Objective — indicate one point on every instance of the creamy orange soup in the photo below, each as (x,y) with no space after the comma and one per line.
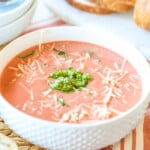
(112,88)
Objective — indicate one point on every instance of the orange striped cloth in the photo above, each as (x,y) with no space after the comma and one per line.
(139,138)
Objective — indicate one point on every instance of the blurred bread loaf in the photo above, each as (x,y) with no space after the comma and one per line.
(142,13)
(89,6)
(9,140)
(6,143)
(118,5)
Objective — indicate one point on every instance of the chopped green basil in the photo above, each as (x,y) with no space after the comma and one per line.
(59,52)
(27,55)
(61,101)
(69,80)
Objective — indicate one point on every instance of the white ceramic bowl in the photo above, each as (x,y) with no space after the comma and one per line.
(16,27)
(15,10)
(56,136)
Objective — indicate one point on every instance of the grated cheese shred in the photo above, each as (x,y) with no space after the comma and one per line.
(110,77)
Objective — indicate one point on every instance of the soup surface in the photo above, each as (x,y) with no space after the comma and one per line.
(71,81)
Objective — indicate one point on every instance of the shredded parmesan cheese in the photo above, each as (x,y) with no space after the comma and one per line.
(105,95)
(101,112)
(40,41)
(39,67)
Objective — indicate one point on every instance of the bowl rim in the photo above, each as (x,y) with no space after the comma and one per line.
(32,6)
(25,5)
(78,125)
(21,22)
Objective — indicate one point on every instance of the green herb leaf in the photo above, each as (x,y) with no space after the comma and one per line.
(59,52)
(61,101)
(27,55)
(69,80)
(59,73)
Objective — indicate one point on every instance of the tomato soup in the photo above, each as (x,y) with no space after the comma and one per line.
(71,81)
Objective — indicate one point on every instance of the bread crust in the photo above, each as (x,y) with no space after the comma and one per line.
(89,6)
(142,14)
(7,143)
(118,5)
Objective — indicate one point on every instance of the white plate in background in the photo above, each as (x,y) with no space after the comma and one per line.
(121,24)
